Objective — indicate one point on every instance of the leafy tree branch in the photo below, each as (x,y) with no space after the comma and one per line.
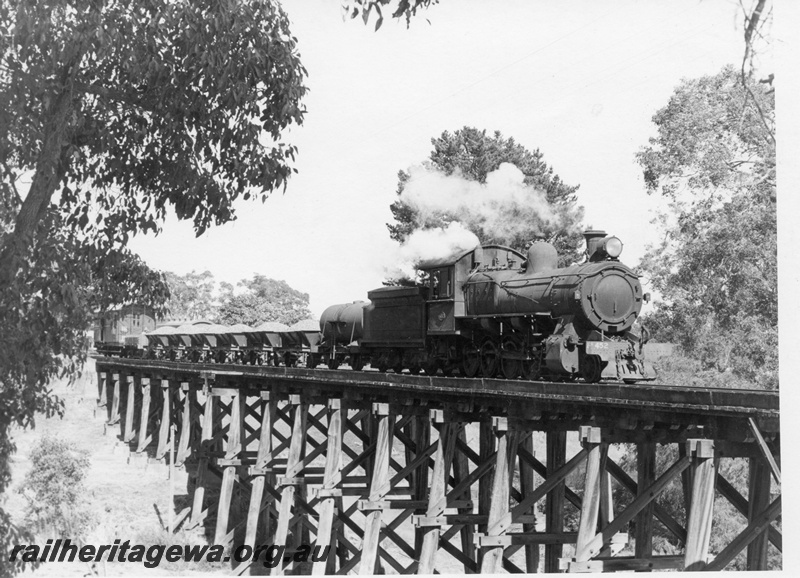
(121,112)
(716,267)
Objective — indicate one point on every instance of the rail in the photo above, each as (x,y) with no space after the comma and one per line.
(608,403)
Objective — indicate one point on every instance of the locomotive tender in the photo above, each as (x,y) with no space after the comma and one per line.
(488,311)
(493,311)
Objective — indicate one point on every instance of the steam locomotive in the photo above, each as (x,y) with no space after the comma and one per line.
(489,311)
(493,311)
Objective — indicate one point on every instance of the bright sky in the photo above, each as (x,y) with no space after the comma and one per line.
(577,79)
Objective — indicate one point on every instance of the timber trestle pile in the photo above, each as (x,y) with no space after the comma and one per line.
(411,474)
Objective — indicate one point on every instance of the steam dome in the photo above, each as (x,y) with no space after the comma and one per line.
(541,257)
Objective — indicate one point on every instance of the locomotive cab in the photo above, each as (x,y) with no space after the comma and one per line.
(444,280)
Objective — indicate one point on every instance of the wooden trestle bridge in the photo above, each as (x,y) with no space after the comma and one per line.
(413,474)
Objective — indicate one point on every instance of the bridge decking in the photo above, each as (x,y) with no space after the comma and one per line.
(609,403)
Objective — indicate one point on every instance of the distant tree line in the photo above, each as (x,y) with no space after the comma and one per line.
(198,296)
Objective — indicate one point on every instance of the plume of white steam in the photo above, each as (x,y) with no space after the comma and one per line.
(503,208)
(449,207)
(426,244)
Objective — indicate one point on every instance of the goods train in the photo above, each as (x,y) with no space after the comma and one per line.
(488,311)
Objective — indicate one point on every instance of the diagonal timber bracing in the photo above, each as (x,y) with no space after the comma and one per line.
(409,474)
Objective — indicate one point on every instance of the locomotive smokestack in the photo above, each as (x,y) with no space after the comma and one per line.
(593,238)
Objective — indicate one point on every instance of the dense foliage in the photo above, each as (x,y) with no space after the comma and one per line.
(113,113)
(191,296)
(126,108)
(264,299)
(716,268)
(198,296)
(471,154)
(54,490)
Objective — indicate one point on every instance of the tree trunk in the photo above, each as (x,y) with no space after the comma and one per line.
(50,168)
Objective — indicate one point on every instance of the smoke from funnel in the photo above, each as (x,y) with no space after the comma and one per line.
(434,243)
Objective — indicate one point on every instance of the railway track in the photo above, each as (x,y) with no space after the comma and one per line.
(620,405)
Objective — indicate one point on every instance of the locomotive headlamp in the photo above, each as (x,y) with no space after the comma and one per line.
(612,247)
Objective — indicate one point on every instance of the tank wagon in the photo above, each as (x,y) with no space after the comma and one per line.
(341,329)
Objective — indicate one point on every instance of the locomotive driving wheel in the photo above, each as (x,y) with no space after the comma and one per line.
(431,366)
(471,360)
(591,368)
(381,363)
(532,368)
(490,358)
(509,364)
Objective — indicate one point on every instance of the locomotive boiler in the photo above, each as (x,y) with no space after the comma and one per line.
(493,311)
